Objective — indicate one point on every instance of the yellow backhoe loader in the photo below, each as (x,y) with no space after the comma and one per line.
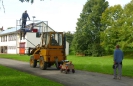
(50,51)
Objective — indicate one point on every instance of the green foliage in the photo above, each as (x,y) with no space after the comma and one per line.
(69,37)
(111,25)
(117,26)
(97,50)
(88,28)
(99,30)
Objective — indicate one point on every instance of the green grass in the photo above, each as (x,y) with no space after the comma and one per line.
(101,64)
(92,64)
(16,57)
(10,77)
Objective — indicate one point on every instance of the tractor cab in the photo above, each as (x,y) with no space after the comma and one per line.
(52,39)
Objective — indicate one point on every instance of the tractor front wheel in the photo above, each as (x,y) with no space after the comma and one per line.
(42,63)
(33,62)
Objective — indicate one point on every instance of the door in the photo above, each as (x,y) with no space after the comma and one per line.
(22,48)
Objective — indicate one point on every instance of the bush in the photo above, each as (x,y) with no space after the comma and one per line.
(97,50)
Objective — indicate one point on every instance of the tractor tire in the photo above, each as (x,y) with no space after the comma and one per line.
(68,70)
(33,62)
(73,71)
(43,64)
(49,65)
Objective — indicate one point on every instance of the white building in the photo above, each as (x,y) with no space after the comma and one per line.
(11,43)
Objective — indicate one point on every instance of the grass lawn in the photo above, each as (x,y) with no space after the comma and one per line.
(16,57)
(11,77)
(93,64)
(101,64)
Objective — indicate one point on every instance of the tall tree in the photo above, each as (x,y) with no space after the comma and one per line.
(127,26)
(87,36)
(111,26)
(119,27)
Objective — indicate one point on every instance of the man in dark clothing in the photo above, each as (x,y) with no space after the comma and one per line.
(118,57)
(53,41)
(24,19)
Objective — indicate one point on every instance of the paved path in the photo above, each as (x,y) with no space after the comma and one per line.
(80,78)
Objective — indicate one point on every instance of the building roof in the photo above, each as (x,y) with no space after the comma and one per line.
(11,30)
(14,29)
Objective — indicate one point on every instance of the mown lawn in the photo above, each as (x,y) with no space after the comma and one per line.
(11,77)
(92,64)
(101,64)
(16,57)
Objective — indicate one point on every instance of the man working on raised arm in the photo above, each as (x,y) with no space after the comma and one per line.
(24,18)
(28,29)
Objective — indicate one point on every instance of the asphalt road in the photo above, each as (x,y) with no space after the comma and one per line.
(79,78)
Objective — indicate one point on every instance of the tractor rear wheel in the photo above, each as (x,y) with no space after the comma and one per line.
(42,63)
(73,71)
(33,62)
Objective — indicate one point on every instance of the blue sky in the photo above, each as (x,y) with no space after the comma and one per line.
(61,14)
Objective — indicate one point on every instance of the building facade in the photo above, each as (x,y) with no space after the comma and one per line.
(11,42)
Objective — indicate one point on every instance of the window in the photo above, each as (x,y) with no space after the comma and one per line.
(56,39)
(8,47)
(3,38)
(11,37)
(8,37)
(15,37)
